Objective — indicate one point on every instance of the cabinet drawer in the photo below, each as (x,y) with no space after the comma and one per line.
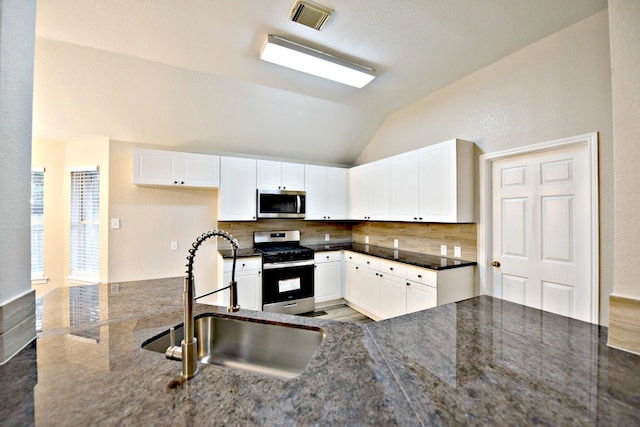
(394,268)
(422,275)
(244,264)
(321,257)
(363,260)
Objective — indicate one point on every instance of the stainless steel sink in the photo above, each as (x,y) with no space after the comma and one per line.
(272,349)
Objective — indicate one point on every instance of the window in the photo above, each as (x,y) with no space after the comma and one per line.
(37,225)
(85,224)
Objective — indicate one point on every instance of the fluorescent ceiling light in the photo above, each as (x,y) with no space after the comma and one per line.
(302,58)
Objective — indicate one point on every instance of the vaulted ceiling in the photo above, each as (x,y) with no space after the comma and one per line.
(188,74)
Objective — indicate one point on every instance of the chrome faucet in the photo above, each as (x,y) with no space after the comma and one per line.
(189,346)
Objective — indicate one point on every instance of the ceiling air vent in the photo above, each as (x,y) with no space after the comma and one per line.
(310,14)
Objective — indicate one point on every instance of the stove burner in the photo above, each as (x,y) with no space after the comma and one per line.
(282,246)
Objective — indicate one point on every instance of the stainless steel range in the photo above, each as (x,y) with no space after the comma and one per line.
(287,280)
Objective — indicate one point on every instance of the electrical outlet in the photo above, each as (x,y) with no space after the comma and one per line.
(327,237)
(115,223)
(366,240)
(174,246)
(457,252)
(395,243)
(443,249)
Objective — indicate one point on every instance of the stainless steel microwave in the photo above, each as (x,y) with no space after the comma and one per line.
(281,204)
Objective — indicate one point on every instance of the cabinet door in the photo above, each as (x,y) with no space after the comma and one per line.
(249,287)
(438,184)
(316,188)
(378,190)
(237,189)
(268,175)
(393,296)
(358,192)
(368,290)
(327,281)
(404,192)
(199,170)
(351,276)
(420,297)
(336,194)
(451,164)
(292,176)
(155,167)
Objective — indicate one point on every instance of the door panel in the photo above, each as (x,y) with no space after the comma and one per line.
(541,226)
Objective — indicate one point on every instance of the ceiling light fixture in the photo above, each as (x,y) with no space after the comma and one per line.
(312,61)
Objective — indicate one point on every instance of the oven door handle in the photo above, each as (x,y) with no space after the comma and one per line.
(287,264)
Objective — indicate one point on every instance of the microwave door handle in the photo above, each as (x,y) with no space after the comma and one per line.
(299,204)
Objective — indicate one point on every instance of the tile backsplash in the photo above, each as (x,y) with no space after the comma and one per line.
(424,238)
(310,231)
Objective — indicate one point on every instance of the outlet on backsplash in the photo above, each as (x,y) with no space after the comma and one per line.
(443,250)
(395,243)
(457,252)
(366,240)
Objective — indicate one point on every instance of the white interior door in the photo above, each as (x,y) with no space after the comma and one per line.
(541,205)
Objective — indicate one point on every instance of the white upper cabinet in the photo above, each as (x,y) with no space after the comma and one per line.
(159,167)
(447,173)
(369,191)
(433,184)
(326,189)
(237,189)
(404,189)
(274,175)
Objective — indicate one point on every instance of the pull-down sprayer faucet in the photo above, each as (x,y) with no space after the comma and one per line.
(189,345)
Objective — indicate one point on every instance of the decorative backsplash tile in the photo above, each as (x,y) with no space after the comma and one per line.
(310,231)
(423,238)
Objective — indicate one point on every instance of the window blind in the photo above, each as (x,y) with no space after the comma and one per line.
(37,224)
(85,223)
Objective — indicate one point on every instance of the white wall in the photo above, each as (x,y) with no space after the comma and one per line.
(625,59)
(557,87)
(17,38)
(151,218)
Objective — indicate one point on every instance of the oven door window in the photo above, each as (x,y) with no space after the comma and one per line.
(285,284)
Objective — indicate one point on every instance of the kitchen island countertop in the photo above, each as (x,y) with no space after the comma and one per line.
(481,361)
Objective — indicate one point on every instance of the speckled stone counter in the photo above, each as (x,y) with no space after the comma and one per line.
(414,258)
(478,362)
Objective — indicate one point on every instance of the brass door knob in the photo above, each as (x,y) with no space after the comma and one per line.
(496,263)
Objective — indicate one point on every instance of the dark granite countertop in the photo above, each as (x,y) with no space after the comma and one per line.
(481,361)
(242,252)
(414,258)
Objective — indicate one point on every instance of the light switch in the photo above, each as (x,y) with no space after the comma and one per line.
(115,223)
(174,246)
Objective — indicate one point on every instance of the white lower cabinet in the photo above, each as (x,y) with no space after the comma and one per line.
(249,283)
(382,289)
(393,299)
(420,297)
(328,276)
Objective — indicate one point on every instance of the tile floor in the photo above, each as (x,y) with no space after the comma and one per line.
(342,313)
